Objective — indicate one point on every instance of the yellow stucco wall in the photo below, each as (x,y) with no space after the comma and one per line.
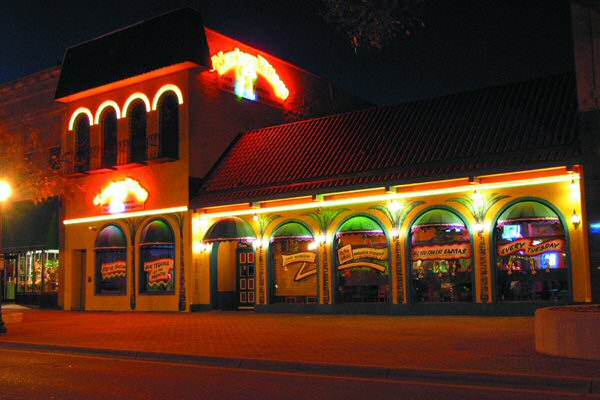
(558,195)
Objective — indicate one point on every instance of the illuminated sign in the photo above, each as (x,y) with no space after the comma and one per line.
(529,248)
(442,252)
(247,68)
(121,196)
(159,271)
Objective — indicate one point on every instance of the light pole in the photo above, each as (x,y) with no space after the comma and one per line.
(5,192)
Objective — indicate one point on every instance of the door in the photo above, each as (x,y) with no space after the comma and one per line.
(78,280)
(246,277)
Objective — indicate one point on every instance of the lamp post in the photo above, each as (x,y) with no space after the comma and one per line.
(5,192)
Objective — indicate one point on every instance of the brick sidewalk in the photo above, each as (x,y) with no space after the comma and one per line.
(495,344)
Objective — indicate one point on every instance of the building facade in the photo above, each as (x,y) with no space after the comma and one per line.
(141,132)
(30,131)
(470,203)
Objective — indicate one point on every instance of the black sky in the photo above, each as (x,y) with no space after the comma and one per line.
(466,44)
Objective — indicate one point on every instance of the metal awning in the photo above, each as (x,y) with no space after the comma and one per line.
(30,226)
(231,229)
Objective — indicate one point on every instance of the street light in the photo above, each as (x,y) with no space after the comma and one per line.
(5,192)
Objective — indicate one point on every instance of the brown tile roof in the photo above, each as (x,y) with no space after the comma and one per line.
(166,40)
(520,125)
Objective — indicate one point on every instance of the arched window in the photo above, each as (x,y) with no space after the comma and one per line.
(293,265)
(362,262)
(168,120)
(529,245)
(82,144)
(157,258)
(440,258)
(111,261)
(137,131)
(109,138)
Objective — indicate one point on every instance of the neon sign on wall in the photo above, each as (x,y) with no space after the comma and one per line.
(247,68)
(121,196)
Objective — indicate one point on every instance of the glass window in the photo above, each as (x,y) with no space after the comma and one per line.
(440,256)
(137,130)
(530,254)
(294,265)
(111,261)
(109,136)
(168,119)
(51,271)
(82,144)
(362,262)
(157,259)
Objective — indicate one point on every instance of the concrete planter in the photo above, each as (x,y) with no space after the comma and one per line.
(570,331)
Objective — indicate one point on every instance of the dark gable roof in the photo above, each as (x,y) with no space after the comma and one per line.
(160,42)
(522,125)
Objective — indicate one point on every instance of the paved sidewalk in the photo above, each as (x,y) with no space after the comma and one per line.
(496,345)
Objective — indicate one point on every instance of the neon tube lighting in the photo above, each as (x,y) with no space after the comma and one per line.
(81,110)
(392,196)
(107,103)
(125,215)
(136,96)
(166,88)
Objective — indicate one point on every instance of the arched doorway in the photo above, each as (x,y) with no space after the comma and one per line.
(530,254)
(293,262)
(440,259)
(232,264)
(362,262)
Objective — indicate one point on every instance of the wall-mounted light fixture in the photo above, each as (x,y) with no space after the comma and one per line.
(575,219)
(478,227)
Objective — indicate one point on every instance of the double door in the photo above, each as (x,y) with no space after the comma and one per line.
(246,278)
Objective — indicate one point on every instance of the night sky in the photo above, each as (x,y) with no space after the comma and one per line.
(465,44)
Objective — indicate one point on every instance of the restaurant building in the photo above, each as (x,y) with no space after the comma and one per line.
(468,203)
(150,108)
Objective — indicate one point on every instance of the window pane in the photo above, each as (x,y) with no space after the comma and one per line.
(294,271)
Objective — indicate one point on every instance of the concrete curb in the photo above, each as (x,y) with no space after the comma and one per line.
(542,383)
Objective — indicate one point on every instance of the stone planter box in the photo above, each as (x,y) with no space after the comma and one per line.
(569,331)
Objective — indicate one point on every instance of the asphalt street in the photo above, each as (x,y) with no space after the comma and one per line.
(36,375)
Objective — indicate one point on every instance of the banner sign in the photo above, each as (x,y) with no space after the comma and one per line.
(530,249)
(347,254)
(442,252)
(113,269)
(306,261)
(298,257)
(159,270)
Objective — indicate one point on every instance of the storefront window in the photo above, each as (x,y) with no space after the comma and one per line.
(157,259)
(362,262)
(51,271)
(440,256)
(111,261)
(37,271)
(294,266)
(530,254)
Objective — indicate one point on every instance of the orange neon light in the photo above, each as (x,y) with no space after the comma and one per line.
(133,97)
(116,193)
(167,88)
(80,110)
(247,67)
(107,103)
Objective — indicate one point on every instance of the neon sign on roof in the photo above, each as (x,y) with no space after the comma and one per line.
(115,196)
(247,68)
